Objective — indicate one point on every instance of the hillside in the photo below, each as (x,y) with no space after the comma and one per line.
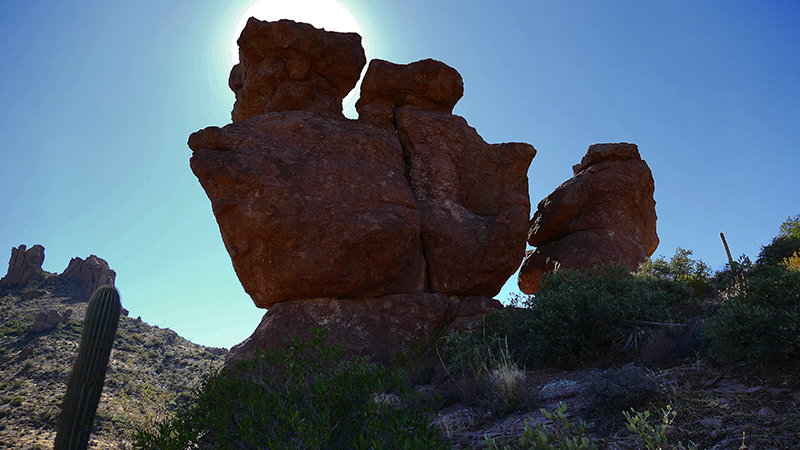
(151,371)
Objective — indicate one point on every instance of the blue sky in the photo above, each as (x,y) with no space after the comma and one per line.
(97,100)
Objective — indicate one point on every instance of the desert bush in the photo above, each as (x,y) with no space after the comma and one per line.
(783,246)
(680,268)
(577,313)
(485,372)
(563,435)
(303,395)
(617,390)
(654,436)
(761,321)
(571,318)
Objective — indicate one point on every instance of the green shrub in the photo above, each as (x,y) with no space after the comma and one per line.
(302,395)
(680,268)
(761,321)
(573,316)
(781,248)
(619,390)
(791,227)
(563,435)
(576,314)
(654,437)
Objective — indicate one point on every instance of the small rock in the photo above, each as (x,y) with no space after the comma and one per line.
(711,423)
(766,411)
(754,389)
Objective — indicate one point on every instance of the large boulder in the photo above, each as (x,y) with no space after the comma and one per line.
(89,274)
(379,328)
(25,265)
(427,83)
(312,205)
(604,214)
(287,66)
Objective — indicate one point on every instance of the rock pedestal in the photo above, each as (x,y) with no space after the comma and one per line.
(366,219)
(604,214)
(376,327)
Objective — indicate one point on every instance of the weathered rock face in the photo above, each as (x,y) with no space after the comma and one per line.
(89,274)
(375,327)
(287,66)
(429,84)
(473,201)
(311,206)
(316,209)
(604,213)
(25,265)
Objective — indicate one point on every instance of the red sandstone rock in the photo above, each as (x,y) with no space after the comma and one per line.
(374,327)
(605,213)
(311,206)
(473,200)
(345,223)
(24,265)
(287,66)
(427,83)
(89,274)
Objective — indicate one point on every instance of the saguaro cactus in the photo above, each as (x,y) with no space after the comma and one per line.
(89,371)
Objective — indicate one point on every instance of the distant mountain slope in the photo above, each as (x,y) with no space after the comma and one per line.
(151,372)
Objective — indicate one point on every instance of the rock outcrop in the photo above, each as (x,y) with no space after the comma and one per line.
(25,265)
(605,213)
(89,274)
(49,320)
(317,209)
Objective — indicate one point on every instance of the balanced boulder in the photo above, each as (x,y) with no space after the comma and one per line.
(604,214)
(394,221)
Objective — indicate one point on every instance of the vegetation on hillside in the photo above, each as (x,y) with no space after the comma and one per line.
(152,371)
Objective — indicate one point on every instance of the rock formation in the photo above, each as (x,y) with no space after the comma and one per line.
(25,265)
(49,320)
(604,213)
(89,274)
(358,219)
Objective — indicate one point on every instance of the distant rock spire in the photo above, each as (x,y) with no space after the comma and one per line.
(24,265)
